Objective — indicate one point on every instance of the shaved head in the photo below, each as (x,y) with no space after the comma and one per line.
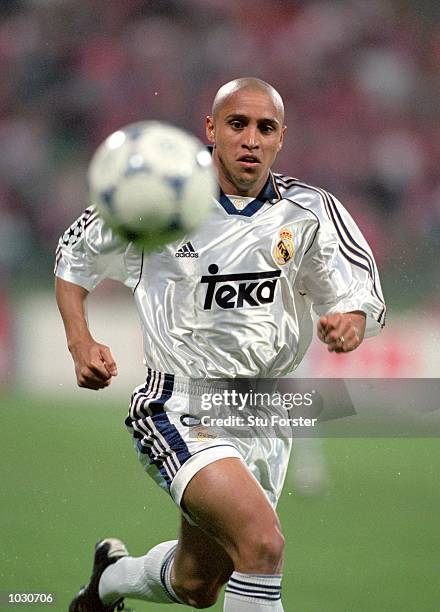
(247,83)
(246,129)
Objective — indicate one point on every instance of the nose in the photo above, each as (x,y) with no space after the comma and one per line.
(250,140)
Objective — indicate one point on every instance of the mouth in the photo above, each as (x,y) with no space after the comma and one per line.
(248,161)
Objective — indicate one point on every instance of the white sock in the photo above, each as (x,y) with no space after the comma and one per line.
(253,593)
(147,578)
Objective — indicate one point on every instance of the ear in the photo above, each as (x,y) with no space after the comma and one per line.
(280,144)
(210,129)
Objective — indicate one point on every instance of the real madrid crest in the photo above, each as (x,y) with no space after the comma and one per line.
(284,248)
(204,433)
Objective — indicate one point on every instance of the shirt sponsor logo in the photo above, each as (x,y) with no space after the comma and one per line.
(284,248)
(239,290)
(187,250)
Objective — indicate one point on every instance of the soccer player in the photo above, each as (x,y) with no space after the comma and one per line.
(273,249)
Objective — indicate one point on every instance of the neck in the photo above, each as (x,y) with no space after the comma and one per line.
(246,191)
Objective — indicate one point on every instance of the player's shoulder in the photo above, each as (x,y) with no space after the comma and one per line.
(75,232)
(89,228)
(315,199)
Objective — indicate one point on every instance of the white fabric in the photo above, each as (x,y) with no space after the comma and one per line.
(195,445)
(138,577)
(198,320)
(253,593)
(234,603)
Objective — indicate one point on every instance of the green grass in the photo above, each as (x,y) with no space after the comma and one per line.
(70,476)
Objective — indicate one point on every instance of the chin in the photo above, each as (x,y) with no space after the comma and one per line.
(250,174)
(246,181)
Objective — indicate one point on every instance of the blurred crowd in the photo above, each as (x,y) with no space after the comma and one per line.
(360,80)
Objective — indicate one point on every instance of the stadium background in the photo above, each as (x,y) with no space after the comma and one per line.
(361,86)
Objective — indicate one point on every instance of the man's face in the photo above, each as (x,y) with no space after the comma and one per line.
(247,133)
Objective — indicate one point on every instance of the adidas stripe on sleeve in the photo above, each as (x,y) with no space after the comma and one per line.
(339,273)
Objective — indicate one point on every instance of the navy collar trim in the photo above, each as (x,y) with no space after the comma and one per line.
(268,193)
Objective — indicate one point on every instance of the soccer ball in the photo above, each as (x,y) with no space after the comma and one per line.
(152,183)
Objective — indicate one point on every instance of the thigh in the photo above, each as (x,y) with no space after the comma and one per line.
(225,500)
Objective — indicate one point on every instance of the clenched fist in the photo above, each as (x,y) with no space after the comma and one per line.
(94,364)
(342,332)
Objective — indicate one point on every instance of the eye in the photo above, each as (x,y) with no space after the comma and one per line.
(236,125)
(266,128)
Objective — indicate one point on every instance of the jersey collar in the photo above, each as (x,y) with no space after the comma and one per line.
(268,193)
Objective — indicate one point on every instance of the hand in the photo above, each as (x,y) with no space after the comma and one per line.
(94,364)
(342,332)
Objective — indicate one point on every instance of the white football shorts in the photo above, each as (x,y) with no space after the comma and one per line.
(174,440)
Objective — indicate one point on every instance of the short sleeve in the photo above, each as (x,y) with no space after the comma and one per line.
(89,251)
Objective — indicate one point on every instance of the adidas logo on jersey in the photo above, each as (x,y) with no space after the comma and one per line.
(186,251)
(238,290)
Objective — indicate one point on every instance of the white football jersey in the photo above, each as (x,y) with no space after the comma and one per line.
(235,298)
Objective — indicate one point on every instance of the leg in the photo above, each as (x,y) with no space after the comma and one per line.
(201,567)
(192,570)
(228,504)
(238,538)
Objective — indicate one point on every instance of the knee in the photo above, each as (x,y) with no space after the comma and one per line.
(197,593)
(261,552)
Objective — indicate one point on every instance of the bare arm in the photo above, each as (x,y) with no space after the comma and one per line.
(94,363)
(342,332)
